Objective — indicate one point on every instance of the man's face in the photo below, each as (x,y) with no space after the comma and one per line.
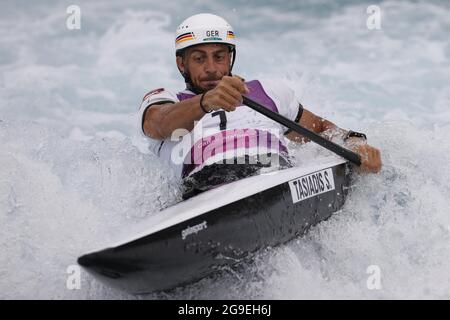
(206,64)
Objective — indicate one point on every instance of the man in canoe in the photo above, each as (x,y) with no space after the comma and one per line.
(217,138)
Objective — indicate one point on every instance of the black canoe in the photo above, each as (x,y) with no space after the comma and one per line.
(192,239)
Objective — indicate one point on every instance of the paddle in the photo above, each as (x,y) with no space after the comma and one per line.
(347,154)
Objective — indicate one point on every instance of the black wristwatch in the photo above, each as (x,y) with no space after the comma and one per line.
(355,134)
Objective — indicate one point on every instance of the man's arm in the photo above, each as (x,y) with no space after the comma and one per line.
(316,124)
(370,156)
(160,120)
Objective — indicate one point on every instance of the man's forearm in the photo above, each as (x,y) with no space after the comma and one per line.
(318,125)
(331,131)
(161,120)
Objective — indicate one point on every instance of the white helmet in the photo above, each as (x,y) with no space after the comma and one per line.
(203,28)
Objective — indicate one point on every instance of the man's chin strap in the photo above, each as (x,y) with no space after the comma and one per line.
(198,90)
(195,90)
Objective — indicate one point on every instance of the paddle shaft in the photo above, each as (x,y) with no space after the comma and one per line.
(347,154)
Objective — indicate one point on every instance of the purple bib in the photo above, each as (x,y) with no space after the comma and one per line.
(257,94)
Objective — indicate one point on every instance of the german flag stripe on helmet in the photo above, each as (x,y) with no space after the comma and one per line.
(185,37)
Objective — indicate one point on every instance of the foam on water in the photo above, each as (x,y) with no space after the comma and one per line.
(72,170)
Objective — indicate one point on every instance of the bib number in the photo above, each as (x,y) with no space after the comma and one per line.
(223,119)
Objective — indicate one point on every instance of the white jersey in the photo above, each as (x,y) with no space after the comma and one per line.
(224,135)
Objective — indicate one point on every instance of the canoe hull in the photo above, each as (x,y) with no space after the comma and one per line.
(192,249)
